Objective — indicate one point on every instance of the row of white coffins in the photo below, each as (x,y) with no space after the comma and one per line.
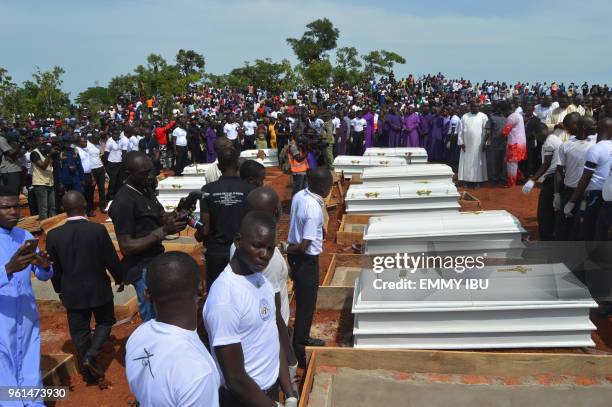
(379,157)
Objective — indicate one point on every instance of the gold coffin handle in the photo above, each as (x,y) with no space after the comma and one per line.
(383,162)
(517,269)
(422,192)
(379,154)
(355,162)
(177,186)
(170,207)
(371,194)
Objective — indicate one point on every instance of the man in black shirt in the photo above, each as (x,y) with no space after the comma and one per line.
(222,207)
(141,224)
(81,252)
(150,147)
(283,130)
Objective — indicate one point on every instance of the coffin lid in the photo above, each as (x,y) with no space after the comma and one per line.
(407,190)
(427,225)
(357,160)
(396,152)
(196,169)
(270,152)
(407,171)
(182,183)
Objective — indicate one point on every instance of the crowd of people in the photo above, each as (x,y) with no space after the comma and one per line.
(225,340)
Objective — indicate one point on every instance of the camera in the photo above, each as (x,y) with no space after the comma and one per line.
(186,206)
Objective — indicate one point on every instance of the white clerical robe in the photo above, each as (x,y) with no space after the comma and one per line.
(473,161)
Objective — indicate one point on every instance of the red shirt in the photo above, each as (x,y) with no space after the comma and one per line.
(161,133)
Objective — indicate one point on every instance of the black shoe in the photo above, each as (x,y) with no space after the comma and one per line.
(91,365)
(314,342)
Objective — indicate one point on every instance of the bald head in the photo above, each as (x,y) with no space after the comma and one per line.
(604,129)
(221,143)
(173,278)
(264,199)
(135,161)
(320,181)
(74,203)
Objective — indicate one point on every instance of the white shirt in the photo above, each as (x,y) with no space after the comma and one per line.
(134,140)
(551,147)
(249,128)
(231,130)
(306,222)
(169,366)
(336,122)
(240,309)
(180,137)
(542,112)
(114,149)
(572,156)
(601,156)
(277,274)
(212,173)
(85,162)
(94,155)
(358,124)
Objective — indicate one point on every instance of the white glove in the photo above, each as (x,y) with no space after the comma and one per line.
(291,402)
(567,210)
(528,186)
(292,369)
(557,202)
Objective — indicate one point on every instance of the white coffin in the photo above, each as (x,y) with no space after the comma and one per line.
(196,169)
(170,203)
(270,160)
(524,306)
(179,187)
(412,155)
(401,198)
(445,232)
(425,174)
(355,164)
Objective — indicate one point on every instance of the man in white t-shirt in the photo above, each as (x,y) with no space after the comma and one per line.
(88,183)
(166,363)
(249,126)
(303,247)
(356,142)
(117,148)
(213,173)
(241,319)
(98,173)
(588,192)
(546,174)
(180,147)
(230,129)
(572,154)
(604,223)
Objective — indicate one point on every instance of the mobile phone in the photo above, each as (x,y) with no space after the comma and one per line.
(30,246)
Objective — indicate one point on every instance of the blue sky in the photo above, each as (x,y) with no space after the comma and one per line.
(93,41)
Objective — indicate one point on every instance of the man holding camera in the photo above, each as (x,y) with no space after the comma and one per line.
(141,225)
(42,177)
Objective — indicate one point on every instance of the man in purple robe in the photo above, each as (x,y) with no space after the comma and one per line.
(410,131)
(369,130)
(210,135)
(425,128)
(436,146)
(393,125)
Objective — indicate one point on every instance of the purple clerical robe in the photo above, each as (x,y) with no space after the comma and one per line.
(425,130)
(393,126)
(210,136)
(410,133)
(369,130)
(437,148)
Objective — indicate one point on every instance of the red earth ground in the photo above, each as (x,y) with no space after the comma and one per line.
(54,331)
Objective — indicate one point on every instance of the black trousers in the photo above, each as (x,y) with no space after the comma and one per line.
(115,178)
(567,228)
(13,181)
(99,176)
(215,263)
(604,223)
(590,215)
(496,160)
(546,212)
(79,320)
(356,147)
(227,399)
(181,159)
(305,274)
(88,190)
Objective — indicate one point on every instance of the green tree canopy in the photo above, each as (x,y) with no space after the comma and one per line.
(320,37)
(190,62)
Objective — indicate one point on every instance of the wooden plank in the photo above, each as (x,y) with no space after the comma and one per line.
(345,260)
(346,234)
(53,222)
(308,380)
(469,202)
(331,267)
(30,223)
(57,368)
(455,362)
(356,179)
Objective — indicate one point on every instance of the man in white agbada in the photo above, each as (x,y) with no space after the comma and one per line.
(472,162)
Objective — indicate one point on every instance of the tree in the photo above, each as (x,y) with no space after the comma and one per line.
(381,62)
(8,94)
(320,36)
(348,66)
(263,74)
(43,95)
(94,95)
(190,62)
(317,73)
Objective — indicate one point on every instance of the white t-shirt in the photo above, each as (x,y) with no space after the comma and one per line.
(240,309)
(607,189)
(169,366)
(212,173)
(114,149)
(231,130)
(249,128)
(358,124)
(180,137)
(306,222)
(551,147)
(277,274)
(336,122)
(134,140)
(84,156)
(600,155)
(572,156)
(94,155)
